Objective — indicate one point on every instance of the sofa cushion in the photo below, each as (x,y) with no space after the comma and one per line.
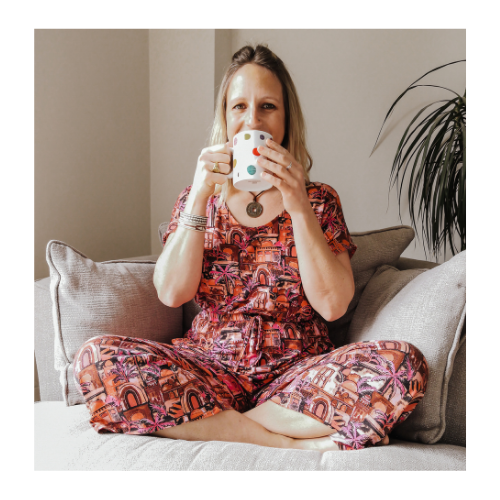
(455,431)
(107,298)
(64,440)
(375,248)
(429,313)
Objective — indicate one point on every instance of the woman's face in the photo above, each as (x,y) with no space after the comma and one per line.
(255,102)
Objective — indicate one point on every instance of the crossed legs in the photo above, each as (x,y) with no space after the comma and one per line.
(362,390)
(266,425)
(306,433)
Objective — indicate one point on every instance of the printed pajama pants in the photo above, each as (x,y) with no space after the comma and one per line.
(360,390)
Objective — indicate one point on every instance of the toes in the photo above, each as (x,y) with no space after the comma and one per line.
(383,442)
(316,444)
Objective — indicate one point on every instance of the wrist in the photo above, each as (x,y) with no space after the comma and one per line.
(302,212)
(196,204)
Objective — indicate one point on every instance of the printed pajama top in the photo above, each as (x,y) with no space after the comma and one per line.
(255,317)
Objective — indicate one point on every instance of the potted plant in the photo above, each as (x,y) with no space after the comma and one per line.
(435,148)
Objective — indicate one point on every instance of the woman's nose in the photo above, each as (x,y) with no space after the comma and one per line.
(252,118)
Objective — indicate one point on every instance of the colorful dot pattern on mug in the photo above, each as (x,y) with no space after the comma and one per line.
(235,141)
(262,136)
(255,152)
(251,169)
(247,136)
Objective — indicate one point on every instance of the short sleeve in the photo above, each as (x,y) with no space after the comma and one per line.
(333,224)
(179,206)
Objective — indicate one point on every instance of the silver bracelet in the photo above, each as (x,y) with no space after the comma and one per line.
(190,218)
(200,228)
(194,216)
(193,219)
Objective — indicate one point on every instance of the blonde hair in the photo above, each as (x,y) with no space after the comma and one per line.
(295,130)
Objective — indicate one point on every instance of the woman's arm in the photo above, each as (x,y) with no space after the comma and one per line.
(177,273)
(178,270)
(327,278)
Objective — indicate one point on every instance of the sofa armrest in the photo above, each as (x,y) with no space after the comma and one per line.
(50,389)
(455,413)
(37,384)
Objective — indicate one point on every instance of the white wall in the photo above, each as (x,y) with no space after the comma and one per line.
(182,109)
(222,57)
(92,161)
(347,81)
(122,115)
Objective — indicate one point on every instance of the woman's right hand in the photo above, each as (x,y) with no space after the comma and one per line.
(205,180)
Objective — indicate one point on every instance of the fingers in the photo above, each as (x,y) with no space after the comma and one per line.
(279,157)
(218,148)
(218,178)
(224,161)
(224,168)
(275,168)
(220,154)
(275,146)
(220,157)
(274,180)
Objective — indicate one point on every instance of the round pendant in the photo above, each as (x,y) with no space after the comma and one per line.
(255,209)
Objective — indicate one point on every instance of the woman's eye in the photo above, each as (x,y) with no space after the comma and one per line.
(266,105)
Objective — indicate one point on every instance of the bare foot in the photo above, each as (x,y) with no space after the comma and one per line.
(321,444)
(384,442)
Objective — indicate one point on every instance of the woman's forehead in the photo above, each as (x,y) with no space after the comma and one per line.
(254,78)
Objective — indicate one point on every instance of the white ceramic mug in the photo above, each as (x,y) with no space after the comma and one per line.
(246,170)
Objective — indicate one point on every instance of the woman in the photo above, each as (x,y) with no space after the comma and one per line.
(257,365)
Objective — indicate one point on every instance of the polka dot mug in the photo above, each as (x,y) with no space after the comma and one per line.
(246,171)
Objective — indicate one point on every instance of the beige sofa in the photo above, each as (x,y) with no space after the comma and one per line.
(396,298)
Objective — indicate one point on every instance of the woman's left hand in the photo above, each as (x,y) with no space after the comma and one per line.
(290,182)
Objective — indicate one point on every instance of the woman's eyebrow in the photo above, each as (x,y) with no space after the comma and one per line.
(243,98)
(236,98)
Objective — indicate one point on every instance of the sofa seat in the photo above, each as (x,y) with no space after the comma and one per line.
(64,440)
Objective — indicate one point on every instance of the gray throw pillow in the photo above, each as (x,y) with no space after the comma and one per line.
(106,298)
(426,309)
(375,248)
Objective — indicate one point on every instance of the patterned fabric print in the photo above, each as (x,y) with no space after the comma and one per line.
(138,386)
(361,390)
(257,338)
(255,317)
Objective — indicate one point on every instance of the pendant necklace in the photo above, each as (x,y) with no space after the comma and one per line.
(254,208)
